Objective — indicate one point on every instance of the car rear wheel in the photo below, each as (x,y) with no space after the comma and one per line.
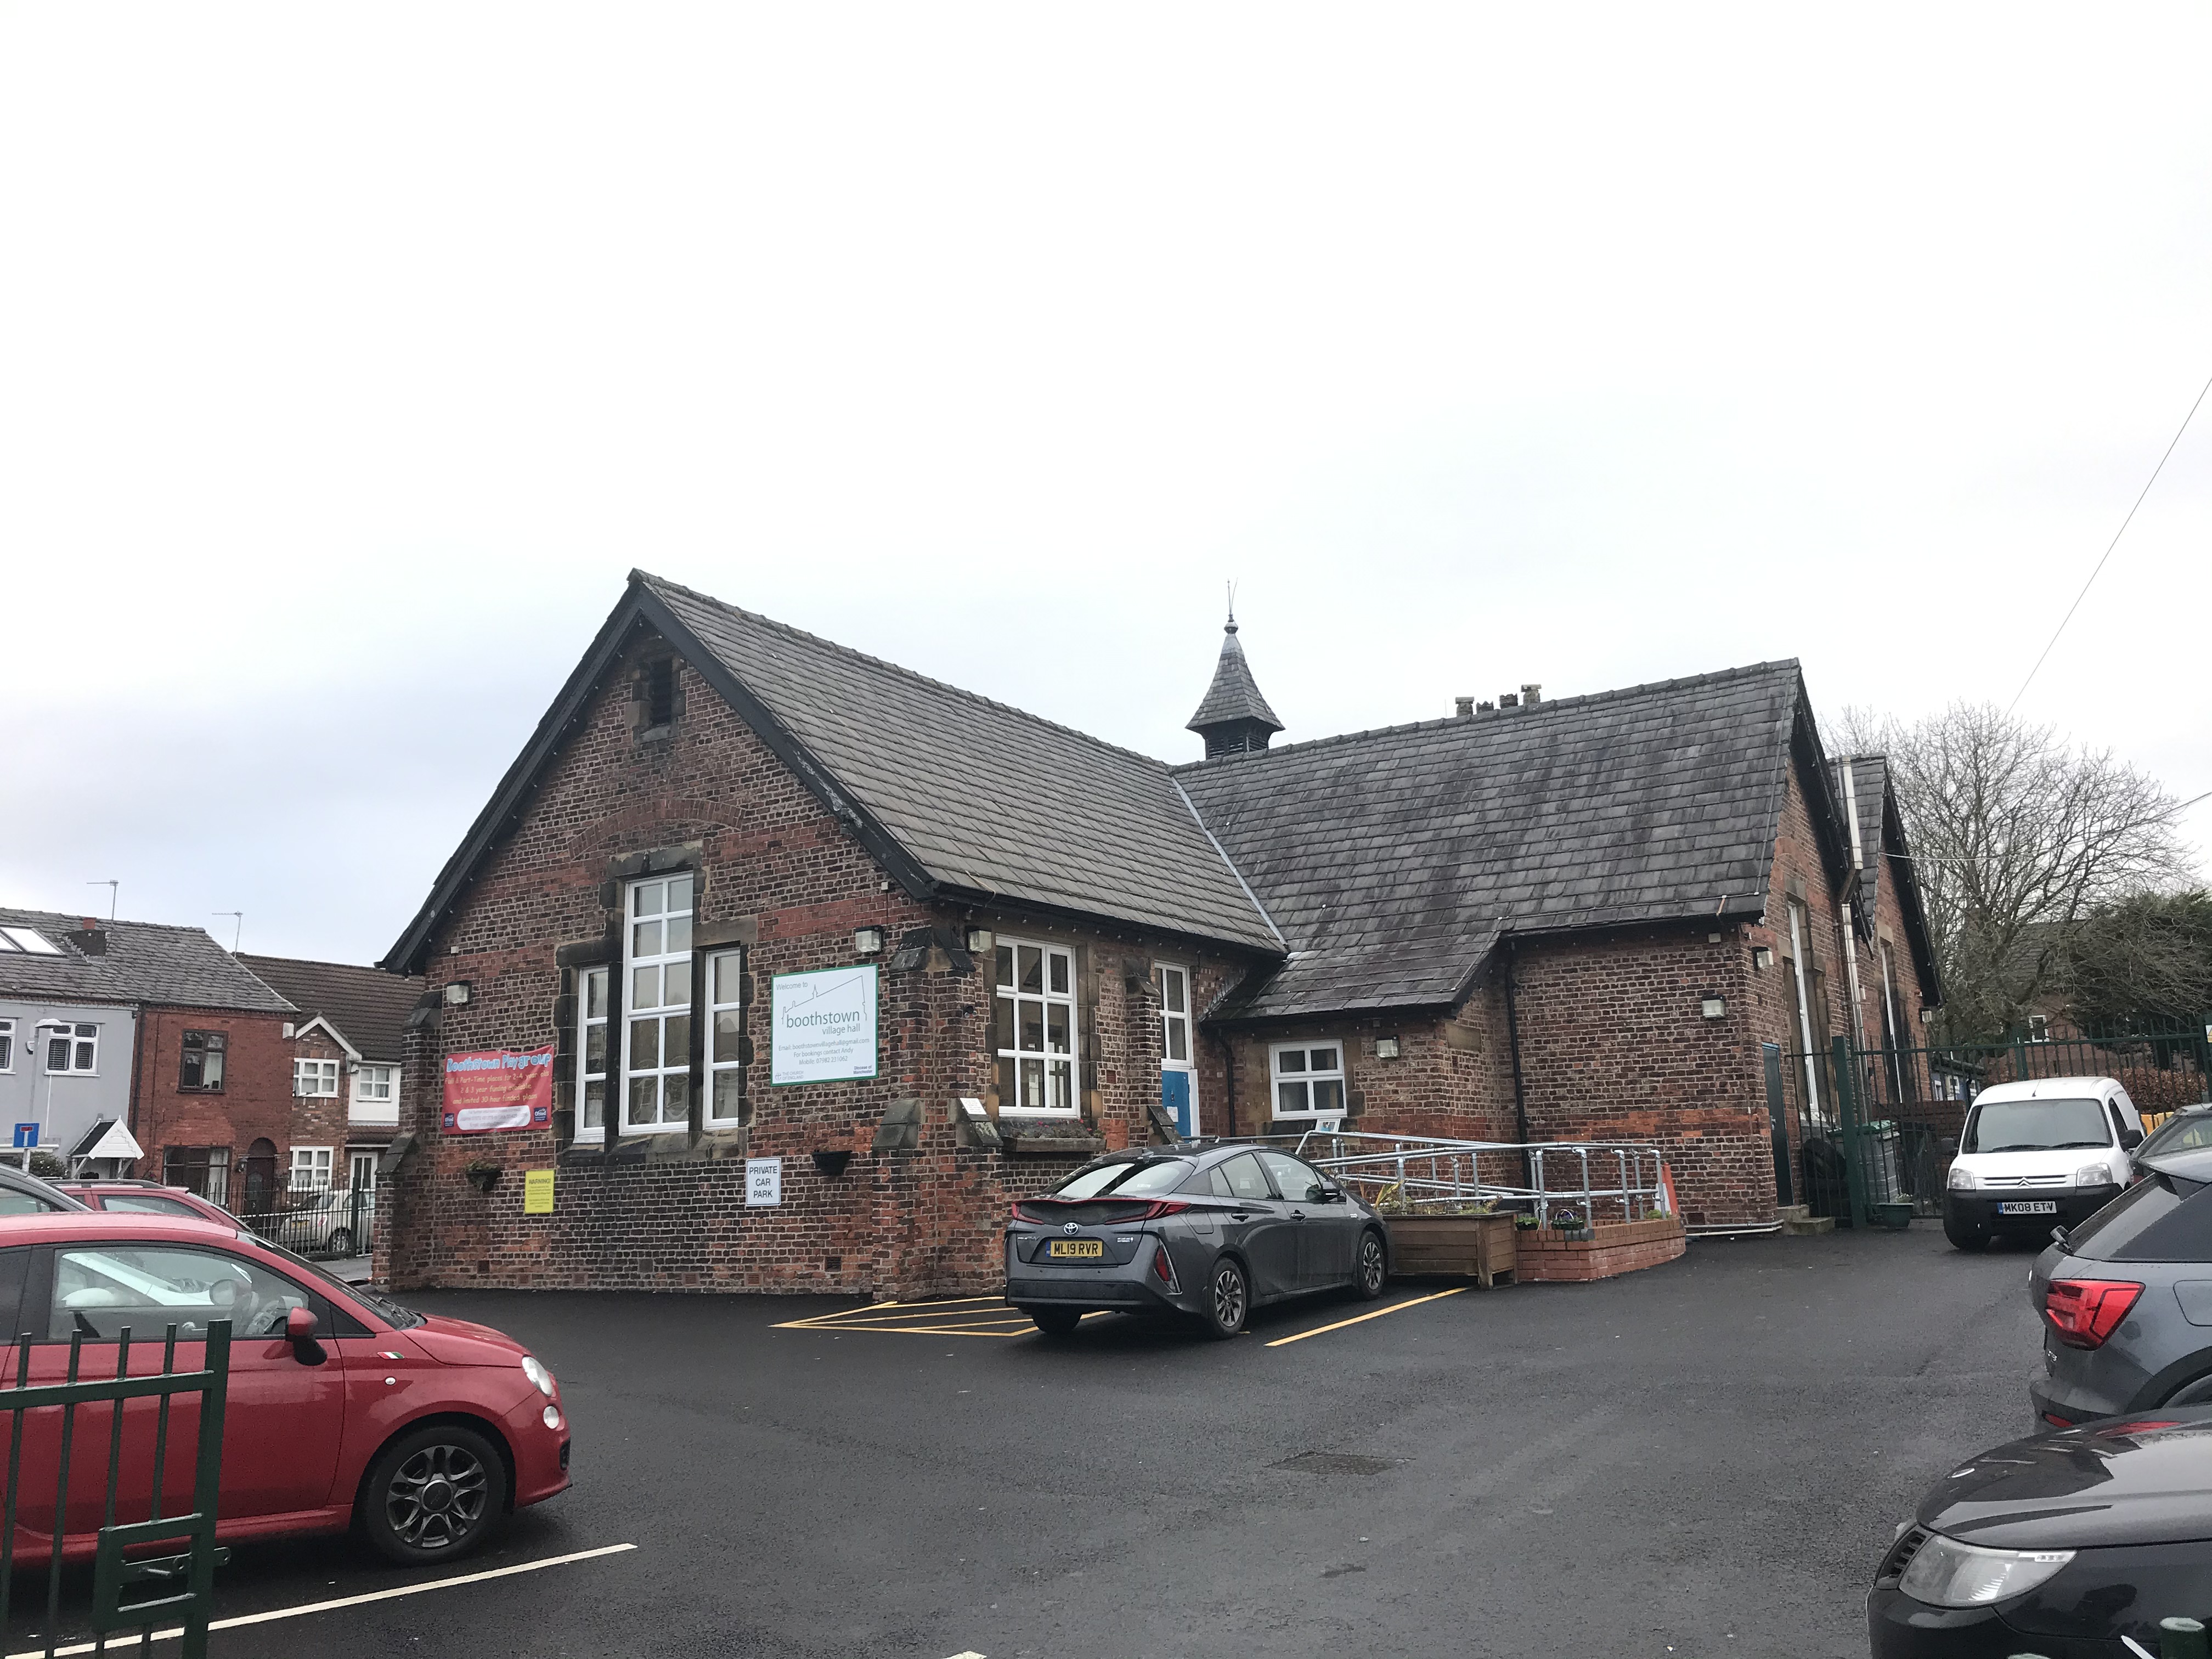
(434,1495)
(1374,1266)
(1056,1322)
(1228,1299)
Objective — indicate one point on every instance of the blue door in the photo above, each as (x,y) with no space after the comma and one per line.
(1175,1095)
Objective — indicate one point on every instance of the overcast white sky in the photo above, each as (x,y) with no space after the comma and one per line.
(349,358)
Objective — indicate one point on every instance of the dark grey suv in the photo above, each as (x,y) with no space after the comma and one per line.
(1210,1231)
(2126,1298)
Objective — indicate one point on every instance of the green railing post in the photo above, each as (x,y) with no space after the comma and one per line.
(207,1483)
(1847,1115)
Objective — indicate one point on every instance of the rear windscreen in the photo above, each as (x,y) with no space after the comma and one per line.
(1161,1174)
(2162,1218)
(2035,1126)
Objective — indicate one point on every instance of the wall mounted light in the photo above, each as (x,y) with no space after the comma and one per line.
(1386,1048)
(1716,1007)
(457,993)
(868,941)
(981,940)
(1762,956)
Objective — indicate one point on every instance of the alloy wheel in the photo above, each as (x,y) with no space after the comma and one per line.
(1372,1265)
(437,1497)
(1229,1296)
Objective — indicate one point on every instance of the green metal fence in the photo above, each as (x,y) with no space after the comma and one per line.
(126,1550)
(1866,1135)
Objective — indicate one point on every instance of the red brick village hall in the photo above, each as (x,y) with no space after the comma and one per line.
(768,898)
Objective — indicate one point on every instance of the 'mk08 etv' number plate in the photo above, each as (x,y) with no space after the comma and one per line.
(2028,1206)
(1063,1249)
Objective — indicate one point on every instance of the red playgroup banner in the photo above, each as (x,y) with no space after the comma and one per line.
(501,1088)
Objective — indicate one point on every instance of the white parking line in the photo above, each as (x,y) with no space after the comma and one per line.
(121,1643)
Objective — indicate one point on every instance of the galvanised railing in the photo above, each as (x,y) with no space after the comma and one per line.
(120,1556)
(1426,1171)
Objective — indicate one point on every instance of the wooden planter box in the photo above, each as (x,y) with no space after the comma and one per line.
(1614,1248)
(1480,1247)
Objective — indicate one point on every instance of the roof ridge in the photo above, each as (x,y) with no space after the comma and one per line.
(318,961)
(663,583)
(76,917)
(1712,677)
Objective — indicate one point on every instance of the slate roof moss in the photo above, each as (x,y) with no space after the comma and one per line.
(145,962)
(1393,860)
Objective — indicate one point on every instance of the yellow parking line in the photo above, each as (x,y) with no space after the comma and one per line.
(1361,1318)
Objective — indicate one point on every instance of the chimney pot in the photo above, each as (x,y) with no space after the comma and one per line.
(1532,695)
(1486,708)
(1462,706)
(1507,700)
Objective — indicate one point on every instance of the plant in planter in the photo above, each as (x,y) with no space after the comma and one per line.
(483,1176)
(1525,1223)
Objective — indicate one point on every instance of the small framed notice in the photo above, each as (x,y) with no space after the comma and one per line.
(764,1182)
(537,1192)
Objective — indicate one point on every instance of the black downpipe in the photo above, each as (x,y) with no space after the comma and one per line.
(1229,1062)
(1520,1092)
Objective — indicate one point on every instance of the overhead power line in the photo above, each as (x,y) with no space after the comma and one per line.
(2109,546)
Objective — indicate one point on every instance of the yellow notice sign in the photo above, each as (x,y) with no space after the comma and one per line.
(537,1192)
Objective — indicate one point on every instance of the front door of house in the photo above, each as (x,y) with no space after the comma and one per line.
(1182,1105)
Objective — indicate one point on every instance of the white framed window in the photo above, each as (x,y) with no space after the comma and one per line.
(28,940)
(657,1018)
(311,1167)
(7,1045)
(72,1050)
(1309,1078)
(315,1079)
(2038,1028)
(1173,983)
(1801,935)
(361,1171)
(725,1035)
(375,1085)
(591,1077)
(1033,1022)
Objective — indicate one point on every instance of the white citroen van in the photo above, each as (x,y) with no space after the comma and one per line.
(2050,1152)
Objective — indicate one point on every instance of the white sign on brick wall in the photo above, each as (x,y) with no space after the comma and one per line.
(822,1026)
(763,1182)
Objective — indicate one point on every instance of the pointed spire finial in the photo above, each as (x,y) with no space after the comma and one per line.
(1234,719)
(1232,628)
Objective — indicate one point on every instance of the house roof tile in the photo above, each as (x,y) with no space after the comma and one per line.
(144,961)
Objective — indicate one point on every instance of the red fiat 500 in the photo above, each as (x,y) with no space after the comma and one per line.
(343,1409)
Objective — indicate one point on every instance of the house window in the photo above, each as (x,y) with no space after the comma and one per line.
(314,1079)
(656,1024)
(725,1035)
(375,1085)
(311,1168)
(202,1066)
(29,940)
(2038,1028)
(7,1045)
(1174,986)
(1801,990)
(72,1050)
(591,1055)
(1034,1024)
(202,1170)
(660,692)
(1309,1078)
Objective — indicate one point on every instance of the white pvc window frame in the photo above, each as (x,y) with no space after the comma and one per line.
(657,974)
(1800,933)
(725,971)
(77,1044)
(311,1167)
(1310,1073)
(315,1079)
(592,1047)
(375,1084)
(1035,1028)
(7,1045)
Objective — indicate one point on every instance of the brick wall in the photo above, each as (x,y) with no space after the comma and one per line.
(255,1101)
(772,866)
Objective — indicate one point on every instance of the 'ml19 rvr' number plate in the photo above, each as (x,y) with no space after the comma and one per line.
(2028,1206)
(1064,1248)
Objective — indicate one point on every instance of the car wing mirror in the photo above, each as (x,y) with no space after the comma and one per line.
(300,1332)
(2131,1139)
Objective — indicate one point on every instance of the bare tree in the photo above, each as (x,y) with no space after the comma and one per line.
(2015,837)
(2145,962)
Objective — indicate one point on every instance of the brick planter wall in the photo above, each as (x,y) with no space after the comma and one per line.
(1620,1247)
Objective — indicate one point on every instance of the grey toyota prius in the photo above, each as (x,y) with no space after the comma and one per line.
(1211,1232)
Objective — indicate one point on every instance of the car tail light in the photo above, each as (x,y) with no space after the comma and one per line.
(2083,1312)
(1162,1207)
(1164,1270)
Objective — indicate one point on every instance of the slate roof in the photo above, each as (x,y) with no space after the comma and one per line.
(367,1006)
(941,786)
(1234,695)
(1393,860)
(146,962)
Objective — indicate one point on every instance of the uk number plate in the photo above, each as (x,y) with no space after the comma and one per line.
(2028,1206)
(1064,1250)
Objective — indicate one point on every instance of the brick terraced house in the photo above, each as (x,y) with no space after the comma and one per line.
(778,904)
